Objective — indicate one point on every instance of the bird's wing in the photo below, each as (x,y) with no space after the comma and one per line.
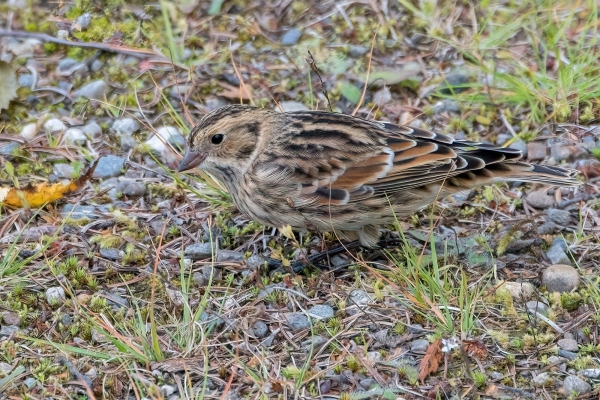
(338,159)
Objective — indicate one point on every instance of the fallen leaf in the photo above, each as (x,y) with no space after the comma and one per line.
(36,196)
(396,75)
(350,92)
(431,362)
(8,84)
(475,348)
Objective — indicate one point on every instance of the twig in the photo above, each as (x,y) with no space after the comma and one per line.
(130,51)
(313,66)
(362,96)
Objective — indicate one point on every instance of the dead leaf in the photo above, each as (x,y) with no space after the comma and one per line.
(8,84)
(475,349)
(36,196)
(431,362)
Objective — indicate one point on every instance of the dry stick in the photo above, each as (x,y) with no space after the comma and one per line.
(242,84)
(130,51)
(313,66)
(362,96)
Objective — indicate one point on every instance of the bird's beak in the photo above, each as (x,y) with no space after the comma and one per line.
(190,160)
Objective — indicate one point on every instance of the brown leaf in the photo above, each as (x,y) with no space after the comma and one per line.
(431,362)
(475,349)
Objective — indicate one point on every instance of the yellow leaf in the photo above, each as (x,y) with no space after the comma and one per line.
(483,120)
(287,232)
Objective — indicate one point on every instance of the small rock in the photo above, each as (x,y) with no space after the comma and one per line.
(175,296)
(167,390)
(171,135)
(297,321)
(359,297)
(8,330)
(75,136)
(569,355)
(260,329)
(374,356)
(548,228)
(368,383)
(454,83)
(382,96)
(213,103)
(495,375)
(29,382)
(560,217)
(199,251)
(128,143)
(592,373)
(520,290)
(557,255)
(419,346)
(83,21)
(502,138)
(25,80)
(542,379)
(291,37)
(560,278)
(230,256)
(573,384)
(414,328)
(54,125)
(10,149)
(254,262)
(125,126)
(540,199)
(109,166)
(211,273)
(11,318)
(77,211)
(96,90)
(131,187)
(112,254)
(55,295)
(357,51)
(537,150)
(313,342)
(289,106)
(568,345)
(519,145)
(69,66)
(321,311)
(537,306)
(92,130)
(63,171)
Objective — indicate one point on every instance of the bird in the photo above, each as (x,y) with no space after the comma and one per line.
(326,171)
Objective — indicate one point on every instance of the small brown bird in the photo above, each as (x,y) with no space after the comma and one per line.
(334,172)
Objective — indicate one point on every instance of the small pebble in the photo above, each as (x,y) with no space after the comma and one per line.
(592,373)
(560,217)
(542,379)
(230,256)
(176,297)
(536,150)
(321,311)
(297,321)
(125,126)
(260,329)
(382,96)
(537,306)
(171,135)
(131,187)
(419,346)
(109,166)
(30,382)
(560,278)
(11,318)
(199,251)
(54,125)
(96,90)
(291,37)
(55,295)
(540,199)
(568,345)
(574,384)
(75,136)
(557,255)
(519,145)
(92,130)
(63,170)
(520,290)
(112,254)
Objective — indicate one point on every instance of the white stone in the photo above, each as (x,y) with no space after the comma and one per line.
(29,131)
(54,125)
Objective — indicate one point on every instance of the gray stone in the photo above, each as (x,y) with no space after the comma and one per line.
(10,149)
(75,136)
(454,82)
(54,125)
(25,80)
(537,306)
(7,330)
(131,187)
(560,278)
(542,379)
(297,321)
(83,21)
(96,90)
(109,166)
(569,355)
(125,126)
(291,37)
(573,384)
(255,261)
(128,143)
(260,329)
(502,138)
(289,106)
(557,255)
(55,295)
(537,150)
(447,106)
(592,373)
(171,135)
(374,356)
(167,390)
(357,51)
(560,217)
(68,66)
(213,103)
(321,311)
(230,256)
(359,297)
(519,145)
(77,211)
(92,130)
(540,199)
(112,254)
(175,296)
(63,171)
(382,96)
(548,228)
(11,318)
(520,290)
(30,382)
(199,251)
(568,345)
(313,342)
(415,328)
(419,346)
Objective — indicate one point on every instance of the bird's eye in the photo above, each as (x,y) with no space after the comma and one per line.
(217,139)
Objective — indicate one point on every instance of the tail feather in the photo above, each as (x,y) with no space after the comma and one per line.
(535,173)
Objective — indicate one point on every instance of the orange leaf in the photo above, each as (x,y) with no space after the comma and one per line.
(39,195)
(431,361)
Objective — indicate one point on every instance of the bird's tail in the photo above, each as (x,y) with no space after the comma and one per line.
(535,173)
